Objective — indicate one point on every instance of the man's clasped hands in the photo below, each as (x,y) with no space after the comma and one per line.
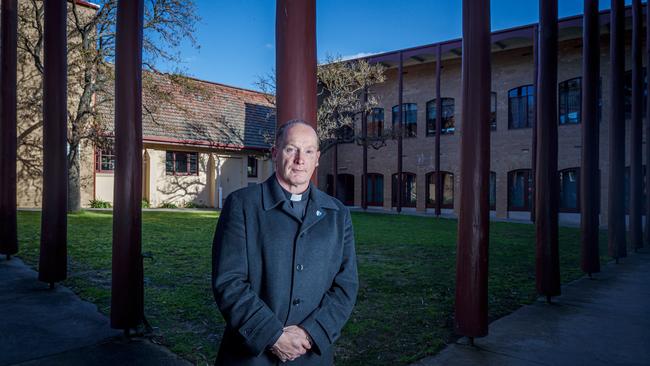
(293,343)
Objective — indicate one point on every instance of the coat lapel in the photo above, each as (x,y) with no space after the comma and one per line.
(317,208)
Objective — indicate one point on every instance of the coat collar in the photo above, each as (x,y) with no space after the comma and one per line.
(273,195)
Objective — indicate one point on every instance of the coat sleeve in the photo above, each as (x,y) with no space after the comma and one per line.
(243,310)
(325,323)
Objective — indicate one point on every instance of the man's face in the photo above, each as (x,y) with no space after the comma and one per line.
(296,157)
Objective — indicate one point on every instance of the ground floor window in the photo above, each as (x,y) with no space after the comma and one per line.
(251,168)
(344,188)
(105,160)
(447,189)
(520,190)
(375,189)
(570,190)
(182,163)
(408,190)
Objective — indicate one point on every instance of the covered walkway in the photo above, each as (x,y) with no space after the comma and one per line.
(54,327)
(599,321)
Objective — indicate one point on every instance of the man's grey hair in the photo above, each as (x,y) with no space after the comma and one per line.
(281,131)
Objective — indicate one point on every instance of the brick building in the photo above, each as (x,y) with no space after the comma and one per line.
(511,136)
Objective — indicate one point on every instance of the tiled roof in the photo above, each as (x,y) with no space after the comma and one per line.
(195,112)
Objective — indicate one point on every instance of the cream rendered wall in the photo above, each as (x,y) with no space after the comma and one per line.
(177,189)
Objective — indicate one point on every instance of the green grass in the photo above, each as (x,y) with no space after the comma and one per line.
(406,266)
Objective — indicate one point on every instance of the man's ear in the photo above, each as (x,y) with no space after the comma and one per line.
(317,158)
(274,152)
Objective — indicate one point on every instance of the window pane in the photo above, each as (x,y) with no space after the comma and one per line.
(169,162)
(431,117)
(448,189)
(181,162)
(194,162)
(251,168)
(569,189)
(493,189)
(517,190)
(521,107)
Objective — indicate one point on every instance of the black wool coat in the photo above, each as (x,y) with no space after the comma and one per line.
(271,269)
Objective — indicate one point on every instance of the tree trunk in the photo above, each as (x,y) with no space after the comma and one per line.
(74,181)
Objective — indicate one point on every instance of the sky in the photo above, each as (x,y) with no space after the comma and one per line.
(236,38)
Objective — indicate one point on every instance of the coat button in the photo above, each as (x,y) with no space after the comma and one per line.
(299,267)
(296,301)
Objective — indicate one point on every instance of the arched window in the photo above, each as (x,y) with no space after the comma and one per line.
(448,119)
(409,119)
(520,190)
(521,107)
(493,191)
(376,123)
(570,190)
(447,189)
(375,191)
(570,101)
(345,189)
(408,190)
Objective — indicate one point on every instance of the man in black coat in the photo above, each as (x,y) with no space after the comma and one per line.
(284,271)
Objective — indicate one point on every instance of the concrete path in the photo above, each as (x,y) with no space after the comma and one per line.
(39,326)
(599,321)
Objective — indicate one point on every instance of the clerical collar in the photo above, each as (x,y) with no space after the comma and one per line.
(296,197)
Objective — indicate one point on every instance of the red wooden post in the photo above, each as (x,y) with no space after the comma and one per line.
(616,209)
(589,175)
(8,140)
(400,132)
(473,219)
(295,60)
(364,135)
(636,129)
(646,238)
(533,154)
(127,288)
(547,185)
(52,266)
(438,177)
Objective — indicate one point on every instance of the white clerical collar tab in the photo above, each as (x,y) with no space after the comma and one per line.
(296,197)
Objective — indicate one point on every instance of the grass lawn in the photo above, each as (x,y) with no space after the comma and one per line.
(406,269)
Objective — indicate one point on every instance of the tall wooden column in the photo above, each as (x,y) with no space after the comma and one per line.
(295,61)
(473,218)
(589,175)
(52,266)
(533,163)
(547,185)
(364,135)
(400,132)
(127,288)
(636,129)
(646,237)
(8,140)
(438,191)
(615,207)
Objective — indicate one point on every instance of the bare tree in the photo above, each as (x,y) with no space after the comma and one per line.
(342,85)
(91,49)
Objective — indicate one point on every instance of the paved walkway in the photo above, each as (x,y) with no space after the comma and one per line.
(39,326)
(599,321)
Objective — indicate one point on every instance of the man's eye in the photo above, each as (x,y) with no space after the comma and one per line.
(289,150)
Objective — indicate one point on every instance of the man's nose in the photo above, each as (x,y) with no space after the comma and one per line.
(298,158)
